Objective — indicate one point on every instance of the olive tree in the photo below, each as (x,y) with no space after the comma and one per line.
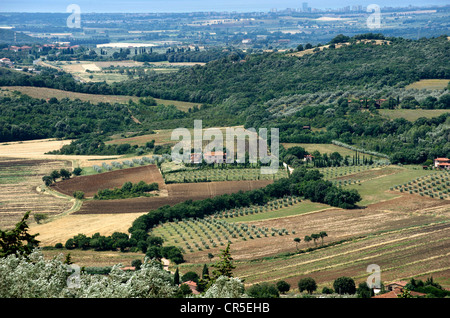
(225,287)
(36,277)
(308,284)
(344,285)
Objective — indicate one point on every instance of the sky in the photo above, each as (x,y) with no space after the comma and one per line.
(145,6)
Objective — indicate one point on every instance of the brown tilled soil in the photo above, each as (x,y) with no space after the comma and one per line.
(109,180)
(176,193)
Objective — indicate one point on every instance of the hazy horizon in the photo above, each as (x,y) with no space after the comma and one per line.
(179,6)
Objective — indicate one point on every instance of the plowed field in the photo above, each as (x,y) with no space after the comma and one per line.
(168,195)
(176,193)
(19,180)
(109,180)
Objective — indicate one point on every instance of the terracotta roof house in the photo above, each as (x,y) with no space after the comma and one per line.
(442,163)
(196,158)
(210,157)
(398,284)
(396,292)
(193,286)
(215,157)
(395,289)
(6,61)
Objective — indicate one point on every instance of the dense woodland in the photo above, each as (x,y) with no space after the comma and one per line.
(261,77)
(25,118)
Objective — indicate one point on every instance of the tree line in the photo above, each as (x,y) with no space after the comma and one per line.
(26,118)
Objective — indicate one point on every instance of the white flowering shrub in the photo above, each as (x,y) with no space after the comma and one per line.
(226,287)
(37,277)
(151,281)
(34,277)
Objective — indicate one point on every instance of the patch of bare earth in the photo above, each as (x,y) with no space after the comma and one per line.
(22,195)
(90,185)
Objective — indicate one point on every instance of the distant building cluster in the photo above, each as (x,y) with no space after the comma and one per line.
(307,9)
(57,46)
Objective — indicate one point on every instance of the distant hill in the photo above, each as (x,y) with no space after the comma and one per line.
(7,37)
(261,77)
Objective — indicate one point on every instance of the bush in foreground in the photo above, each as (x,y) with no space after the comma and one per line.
(33,276)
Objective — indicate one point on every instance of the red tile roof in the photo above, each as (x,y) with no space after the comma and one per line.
(402,283)
(193,286)
(396,292)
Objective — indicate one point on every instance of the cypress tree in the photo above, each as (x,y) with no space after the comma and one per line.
(176,278)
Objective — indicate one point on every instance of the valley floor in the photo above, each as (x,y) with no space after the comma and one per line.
(405,234)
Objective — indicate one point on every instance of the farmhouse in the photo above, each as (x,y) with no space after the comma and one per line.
(216,157)
(308,158)
(395,289)
(196,157)
(193,286)
(396,292)
(210,157)
(442,163)
(396,285)
(5,61)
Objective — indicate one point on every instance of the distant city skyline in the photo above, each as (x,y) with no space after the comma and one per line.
(145,6)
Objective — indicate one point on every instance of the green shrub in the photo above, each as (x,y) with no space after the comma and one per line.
(78,195)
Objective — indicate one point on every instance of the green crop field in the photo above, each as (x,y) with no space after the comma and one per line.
(429,84)
(377,189)
(345,172)
(202,175)
(434,185)
(44,92)
(203,234)
(275,210)
(17,174)
(322,148)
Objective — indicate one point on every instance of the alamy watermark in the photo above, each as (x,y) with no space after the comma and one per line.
(74,20)
(73,281)
(374,20)
(213,152)
(374,280)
